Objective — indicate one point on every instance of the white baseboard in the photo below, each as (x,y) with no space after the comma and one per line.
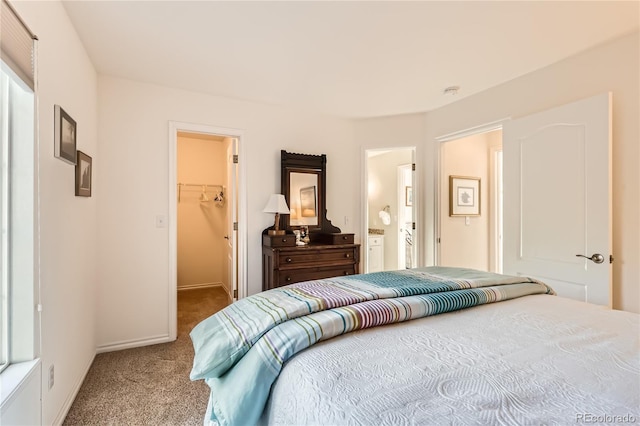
(133,343)
(72,396)
(201,285)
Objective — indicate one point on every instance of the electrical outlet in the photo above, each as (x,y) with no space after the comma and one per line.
(51,377)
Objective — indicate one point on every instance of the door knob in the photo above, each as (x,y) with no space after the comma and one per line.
(226,237)
(596,258)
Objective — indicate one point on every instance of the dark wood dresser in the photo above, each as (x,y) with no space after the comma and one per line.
(285,263)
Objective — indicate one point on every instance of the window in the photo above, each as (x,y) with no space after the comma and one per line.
(4,285)
(18,317)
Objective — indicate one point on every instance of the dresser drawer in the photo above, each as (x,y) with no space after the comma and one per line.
(298,275)
(335,238)
(316,257)
(287,240)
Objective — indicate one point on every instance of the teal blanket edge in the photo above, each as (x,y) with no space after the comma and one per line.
(240,350)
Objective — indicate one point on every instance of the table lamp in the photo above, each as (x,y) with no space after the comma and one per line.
(278,205)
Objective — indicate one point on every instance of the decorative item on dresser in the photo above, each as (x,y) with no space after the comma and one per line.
(328,252)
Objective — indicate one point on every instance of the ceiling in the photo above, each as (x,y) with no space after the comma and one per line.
(351,59)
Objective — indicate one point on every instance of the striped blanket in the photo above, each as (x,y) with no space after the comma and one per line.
(240,350)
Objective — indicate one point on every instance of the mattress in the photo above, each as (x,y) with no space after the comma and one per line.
(533,360)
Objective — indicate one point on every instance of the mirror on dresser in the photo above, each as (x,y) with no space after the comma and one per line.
(303,178)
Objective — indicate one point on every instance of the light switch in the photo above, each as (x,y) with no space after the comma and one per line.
(161,221)
(467,220)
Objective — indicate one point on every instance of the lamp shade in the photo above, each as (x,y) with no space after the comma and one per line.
(276,204)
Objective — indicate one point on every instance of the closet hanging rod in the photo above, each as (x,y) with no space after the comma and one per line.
(200,185)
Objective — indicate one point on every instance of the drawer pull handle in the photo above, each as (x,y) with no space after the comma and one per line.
(345,237)
(288,278)
(348,255)
(284,240)
(347,273)
(289,260)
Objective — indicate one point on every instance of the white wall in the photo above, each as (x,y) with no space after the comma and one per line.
(201,225)
(68,224)
(134,146)
(461,244)
(610,67)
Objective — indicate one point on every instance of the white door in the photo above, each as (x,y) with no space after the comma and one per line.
(557,198)
(411,243)
(232,217)
(405,213)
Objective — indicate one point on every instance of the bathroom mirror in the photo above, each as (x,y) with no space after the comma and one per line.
(304,188)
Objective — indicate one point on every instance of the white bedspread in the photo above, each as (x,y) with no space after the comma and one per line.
(534,360)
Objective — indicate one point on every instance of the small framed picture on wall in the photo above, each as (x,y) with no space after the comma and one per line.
(464,196)
(83,175)
(65,136)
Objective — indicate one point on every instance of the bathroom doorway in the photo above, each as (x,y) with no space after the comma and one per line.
(391,202)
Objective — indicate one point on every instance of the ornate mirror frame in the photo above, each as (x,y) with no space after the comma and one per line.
(304,187)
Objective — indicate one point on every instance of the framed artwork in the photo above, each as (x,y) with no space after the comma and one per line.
(308,202)
(83,175)
(408,196)
(464,196)
(65,136)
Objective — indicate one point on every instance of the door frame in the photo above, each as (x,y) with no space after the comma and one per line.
(243,290)
(496,215)
(459,134)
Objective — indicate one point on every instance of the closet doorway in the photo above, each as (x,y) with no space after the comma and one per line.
(207,238)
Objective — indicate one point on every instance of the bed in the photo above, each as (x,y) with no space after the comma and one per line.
(422,346)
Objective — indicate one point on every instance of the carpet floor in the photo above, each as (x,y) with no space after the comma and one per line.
(149,385)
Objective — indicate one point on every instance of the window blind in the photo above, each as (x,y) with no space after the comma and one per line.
(16,44)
